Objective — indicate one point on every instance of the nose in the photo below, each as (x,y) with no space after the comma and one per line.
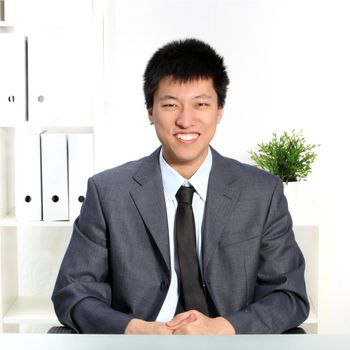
(185,118)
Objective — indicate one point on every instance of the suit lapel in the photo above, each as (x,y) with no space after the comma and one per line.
(221,199)
(149,200)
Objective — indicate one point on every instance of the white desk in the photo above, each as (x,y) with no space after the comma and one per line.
(121,342)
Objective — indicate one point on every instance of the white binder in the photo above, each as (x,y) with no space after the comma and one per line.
(28,177)
(54,177)
(12,79)
(80,168)
(60,74)
(42,78)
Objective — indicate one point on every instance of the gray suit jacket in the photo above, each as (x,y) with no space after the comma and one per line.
(117,265)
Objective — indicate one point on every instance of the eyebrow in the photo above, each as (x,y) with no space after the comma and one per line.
(169,97)
(203,96)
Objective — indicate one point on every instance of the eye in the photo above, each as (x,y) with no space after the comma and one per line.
(203,104)
(169,105)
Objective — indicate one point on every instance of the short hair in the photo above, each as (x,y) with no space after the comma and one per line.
(185,60)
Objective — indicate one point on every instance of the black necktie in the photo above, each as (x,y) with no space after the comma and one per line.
(192,295)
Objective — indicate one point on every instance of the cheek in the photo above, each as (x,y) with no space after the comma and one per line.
(163,131)
(211,126)
(164,122)
(210,131)
(160,125)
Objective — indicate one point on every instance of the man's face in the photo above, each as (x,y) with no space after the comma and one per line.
(185,116)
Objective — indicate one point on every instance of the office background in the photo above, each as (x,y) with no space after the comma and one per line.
(289,67)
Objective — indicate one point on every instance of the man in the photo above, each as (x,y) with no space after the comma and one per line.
(130,268)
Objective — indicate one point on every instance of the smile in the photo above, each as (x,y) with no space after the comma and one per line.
(187,137)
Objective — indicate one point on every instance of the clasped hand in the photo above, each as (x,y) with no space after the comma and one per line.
(189,322)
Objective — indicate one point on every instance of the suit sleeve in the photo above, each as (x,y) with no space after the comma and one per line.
(280,300)
(82,294)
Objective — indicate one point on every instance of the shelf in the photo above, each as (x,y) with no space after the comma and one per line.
(30,126)
(7,125)
(6,24)
(32,310)
(55,124)
(10,221)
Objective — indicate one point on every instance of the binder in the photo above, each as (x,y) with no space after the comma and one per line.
(28,177)
(13,78)
(60,72)
(80,168)
(44,80)
(54,176)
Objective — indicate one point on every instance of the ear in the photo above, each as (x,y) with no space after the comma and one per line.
(150,115)
(219,115)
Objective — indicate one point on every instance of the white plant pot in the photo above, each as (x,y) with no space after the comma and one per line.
(291,192)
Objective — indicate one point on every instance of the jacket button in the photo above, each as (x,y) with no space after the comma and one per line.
(163,285)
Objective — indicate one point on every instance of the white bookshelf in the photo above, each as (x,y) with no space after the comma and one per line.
(31,251)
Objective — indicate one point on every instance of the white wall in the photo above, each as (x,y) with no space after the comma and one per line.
(289,67)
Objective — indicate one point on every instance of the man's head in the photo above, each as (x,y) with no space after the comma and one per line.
(185,89)
(185,60)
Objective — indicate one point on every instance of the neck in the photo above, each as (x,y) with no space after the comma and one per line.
(186,167)
(186,171)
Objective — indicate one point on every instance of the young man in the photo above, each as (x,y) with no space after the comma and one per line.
(222,259)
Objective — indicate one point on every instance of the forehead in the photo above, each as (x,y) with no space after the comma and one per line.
(170,85)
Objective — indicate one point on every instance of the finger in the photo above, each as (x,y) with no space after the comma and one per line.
(185,321)
(186,327)
(192,317)
(178,319)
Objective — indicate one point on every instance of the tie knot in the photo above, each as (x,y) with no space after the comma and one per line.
(185,194)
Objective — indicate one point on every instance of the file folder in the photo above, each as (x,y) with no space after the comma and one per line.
(54,176)
(28,177)
(80,168)
(12,78)
(60,72)
(44,81)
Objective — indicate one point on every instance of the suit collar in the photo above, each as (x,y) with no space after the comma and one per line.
(223,194)
(149,199)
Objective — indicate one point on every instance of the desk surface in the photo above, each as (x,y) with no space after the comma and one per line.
(121,342)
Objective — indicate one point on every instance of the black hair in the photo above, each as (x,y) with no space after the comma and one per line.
(185,60)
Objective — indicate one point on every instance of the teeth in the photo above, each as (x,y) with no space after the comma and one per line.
(187,137)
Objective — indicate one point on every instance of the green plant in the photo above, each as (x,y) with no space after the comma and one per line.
(288,157)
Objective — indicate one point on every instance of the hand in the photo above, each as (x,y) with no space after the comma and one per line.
(194,322)
(137,326)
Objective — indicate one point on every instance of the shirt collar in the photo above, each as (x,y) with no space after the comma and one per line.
(172,180)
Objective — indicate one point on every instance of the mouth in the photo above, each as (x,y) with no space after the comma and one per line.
(187,137)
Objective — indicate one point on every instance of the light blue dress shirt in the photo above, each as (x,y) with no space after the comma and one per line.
(172,181)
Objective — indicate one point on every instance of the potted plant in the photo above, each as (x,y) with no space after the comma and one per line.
(289,157)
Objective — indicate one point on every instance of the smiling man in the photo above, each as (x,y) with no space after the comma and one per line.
(185,116)
(184,241)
